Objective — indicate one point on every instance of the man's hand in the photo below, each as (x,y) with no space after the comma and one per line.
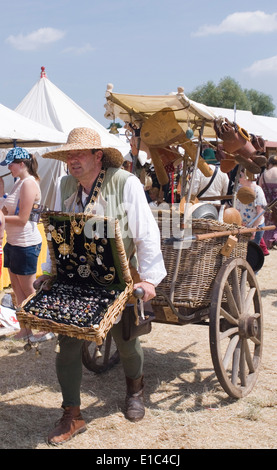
(45,280)
(149,290)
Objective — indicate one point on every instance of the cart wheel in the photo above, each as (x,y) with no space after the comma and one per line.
(100,358)
(236,323)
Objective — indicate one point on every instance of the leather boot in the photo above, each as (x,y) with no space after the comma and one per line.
(70,424)
(134,399)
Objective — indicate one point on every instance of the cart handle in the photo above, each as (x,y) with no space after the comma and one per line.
(138,293)
(203,236)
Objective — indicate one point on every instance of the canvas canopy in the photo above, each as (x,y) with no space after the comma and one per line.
(48,105)
(21,131)
(136,109)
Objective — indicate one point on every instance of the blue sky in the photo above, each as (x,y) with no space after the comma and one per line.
(144,47)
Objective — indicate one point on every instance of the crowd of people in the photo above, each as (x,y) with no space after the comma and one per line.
(98,182)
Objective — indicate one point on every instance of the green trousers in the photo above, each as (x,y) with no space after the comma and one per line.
(69,363)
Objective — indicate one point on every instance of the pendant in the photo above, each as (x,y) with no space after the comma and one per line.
(77,227)
(64,249)
(90,247)
(84,270)
(77,230)
(57,236)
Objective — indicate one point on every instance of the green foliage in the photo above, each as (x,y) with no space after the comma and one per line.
(229,93)
(260,103)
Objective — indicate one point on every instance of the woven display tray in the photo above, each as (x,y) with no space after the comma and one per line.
(199,264)
(91,278)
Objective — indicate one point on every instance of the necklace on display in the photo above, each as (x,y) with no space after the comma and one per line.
(94,192)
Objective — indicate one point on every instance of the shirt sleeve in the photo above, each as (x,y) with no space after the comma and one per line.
(145,232)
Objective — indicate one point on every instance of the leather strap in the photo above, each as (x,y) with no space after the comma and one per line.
(209,183)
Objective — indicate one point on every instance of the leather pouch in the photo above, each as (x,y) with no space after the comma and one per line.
(134,325)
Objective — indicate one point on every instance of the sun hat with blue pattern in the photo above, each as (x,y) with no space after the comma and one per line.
(17,153)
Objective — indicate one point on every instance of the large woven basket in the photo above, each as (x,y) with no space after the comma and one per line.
(116,257)
(199,265)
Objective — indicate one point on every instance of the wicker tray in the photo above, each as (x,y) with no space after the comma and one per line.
(77,260)
(199,265)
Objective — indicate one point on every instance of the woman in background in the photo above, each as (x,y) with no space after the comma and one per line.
(254,209)
(24,240)
(268,182)
(2,230)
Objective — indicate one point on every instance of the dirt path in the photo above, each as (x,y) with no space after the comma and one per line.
(186,407)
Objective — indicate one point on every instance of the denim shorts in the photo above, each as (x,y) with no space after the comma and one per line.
(20,259)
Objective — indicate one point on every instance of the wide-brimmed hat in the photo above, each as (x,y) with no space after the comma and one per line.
(84,138)
(17,153)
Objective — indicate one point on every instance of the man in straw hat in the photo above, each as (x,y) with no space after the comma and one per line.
(97,184)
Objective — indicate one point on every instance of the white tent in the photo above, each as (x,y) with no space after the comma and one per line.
(20,131)
(262,126)
(270,122)
(48,105)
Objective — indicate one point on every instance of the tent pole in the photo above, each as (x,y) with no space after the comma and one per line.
(236,183)
(193,172)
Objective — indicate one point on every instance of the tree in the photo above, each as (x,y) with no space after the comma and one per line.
(261,104)
(229,93)
(206,94)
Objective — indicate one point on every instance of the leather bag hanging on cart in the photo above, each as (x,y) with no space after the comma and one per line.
(227,162)
(233,136)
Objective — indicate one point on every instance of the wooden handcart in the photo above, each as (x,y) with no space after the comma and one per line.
(209,280)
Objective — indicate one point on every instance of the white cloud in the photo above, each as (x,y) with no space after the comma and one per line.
(36,39)
(247,22)
(263,67)
(79,50)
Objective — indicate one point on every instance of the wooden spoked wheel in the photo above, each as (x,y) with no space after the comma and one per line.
(236,324)
(99,359)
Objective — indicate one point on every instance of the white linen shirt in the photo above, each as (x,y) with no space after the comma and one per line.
(219,186)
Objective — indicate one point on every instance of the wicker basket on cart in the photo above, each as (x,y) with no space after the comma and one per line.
(199,262)
(87,255)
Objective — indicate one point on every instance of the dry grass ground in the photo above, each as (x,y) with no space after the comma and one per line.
(186,407)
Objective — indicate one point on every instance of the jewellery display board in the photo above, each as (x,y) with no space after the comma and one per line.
(91,282)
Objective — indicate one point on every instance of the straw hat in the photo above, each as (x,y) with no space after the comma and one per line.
(84,138)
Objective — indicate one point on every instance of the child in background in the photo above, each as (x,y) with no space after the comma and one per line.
(249,211)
